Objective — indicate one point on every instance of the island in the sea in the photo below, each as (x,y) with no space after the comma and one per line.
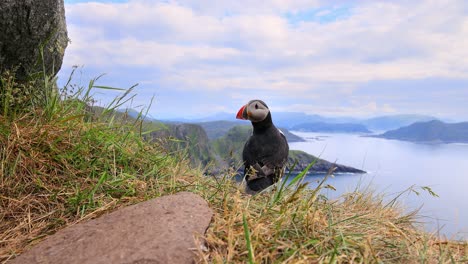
(434,131)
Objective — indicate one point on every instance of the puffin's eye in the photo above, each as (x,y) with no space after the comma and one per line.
(256,106)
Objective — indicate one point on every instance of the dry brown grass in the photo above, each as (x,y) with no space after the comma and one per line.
(305,227)
(54,174)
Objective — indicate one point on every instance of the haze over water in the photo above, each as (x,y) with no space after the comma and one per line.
(393,166)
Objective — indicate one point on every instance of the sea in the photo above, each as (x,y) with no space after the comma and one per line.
(394,168)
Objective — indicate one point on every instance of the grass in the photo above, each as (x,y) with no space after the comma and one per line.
(63,162)
(303,226)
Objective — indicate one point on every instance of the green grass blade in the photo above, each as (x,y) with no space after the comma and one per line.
(248,240)
(303,173)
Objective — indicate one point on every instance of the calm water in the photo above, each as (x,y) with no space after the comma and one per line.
(393,166)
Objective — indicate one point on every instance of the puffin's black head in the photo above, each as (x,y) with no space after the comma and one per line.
(255,111)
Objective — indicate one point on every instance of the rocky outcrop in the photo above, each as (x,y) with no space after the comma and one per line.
(27,25)
(161,230)
(302,160)
(184,137)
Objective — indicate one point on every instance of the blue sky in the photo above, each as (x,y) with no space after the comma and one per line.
(333,58)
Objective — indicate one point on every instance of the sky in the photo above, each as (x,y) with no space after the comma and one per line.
(328,57)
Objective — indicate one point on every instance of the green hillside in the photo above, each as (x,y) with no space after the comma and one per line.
(187,139)
(431,132)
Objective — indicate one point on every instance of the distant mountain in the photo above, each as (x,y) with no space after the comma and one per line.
(280,119)
(217,129)
(223,116)
(289,120)
(136,114)
(431,132)
(331,128)
(385,123)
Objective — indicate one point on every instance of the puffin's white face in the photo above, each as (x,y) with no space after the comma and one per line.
(255,111)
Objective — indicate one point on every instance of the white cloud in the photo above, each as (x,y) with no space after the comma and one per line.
(222,7)
(218,45)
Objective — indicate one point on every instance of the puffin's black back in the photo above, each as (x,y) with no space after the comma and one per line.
(265,155)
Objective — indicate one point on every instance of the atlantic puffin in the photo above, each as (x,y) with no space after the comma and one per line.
(266,152)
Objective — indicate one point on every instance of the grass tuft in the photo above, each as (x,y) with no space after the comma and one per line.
(65,161)
(305,227)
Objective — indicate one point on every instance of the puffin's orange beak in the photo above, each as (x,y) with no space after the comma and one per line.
(240,114)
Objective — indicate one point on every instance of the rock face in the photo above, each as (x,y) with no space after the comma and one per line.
(26,25)
(156,231)
(320,166)
(190,137)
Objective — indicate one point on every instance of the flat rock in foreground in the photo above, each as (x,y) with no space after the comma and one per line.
(160,230)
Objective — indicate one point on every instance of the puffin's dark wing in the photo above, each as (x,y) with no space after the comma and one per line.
(264,158)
